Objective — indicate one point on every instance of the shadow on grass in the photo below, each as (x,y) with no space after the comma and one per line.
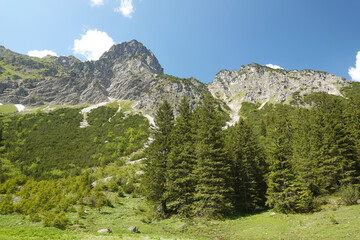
(105,213)
(239,215)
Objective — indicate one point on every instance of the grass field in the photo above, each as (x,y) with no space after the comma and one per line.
(334,223)
(6,109)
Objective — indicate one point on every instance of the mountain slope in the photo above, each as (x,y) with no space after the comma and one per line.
(256,83)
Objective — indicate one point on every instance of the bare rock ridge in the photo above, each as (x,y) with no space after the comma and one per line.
(127,71)
(262,84)
(130,71)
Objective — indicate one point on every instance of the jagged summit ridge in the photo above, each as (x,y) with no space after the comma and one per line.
(130,71)
(135,52)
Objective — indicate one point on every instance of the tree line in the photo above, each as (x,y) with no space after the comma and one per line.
(286,157)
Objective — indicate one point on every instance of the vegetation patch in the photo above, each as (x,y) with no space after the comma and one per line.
(7,109)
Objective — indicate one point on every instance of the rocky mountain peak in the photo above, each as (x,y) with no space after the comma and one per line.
(135,52)
(130,71)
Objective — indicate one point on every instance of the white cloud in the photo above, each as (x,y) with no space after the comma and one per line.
(93,44)
(126,8)
(273,66)
(96,2)
(41,54)
(354,72)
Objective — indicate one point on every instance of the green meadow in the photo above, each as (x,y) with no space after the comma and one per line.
(333,222)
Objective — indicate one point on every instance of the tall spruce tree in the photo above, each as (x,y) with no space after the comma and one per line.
(180,184)
(247,167)
(306,145)
(352,116)
(154,178)
(212,170)
(336,150)
(284,191)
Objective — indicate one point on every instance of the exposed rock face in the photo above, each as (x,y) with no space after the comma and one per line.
(256,83)
(130,71)
(127,71)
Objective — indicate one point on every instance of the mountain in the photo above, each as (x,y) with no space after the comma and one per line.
(256,83)
(130,71)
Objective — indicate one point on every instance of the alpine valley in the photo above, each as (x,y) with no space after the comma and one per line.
(115,148)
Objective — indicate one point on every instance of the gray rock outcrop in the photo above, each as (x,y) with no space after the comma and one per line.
(128,71)
(133,229)
(262,84)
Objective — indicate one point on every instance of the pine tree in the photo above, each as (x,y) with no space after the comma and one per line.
(212,170)
(284,191)
(352,118)
(154,178)
(306,145)
(247,167)
(179,184)
(336,153)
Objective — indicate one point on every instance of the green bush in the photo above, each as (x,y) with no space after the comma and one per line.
(35,217)
(6,205)
(58,220)
(121,192)
(129,187)
(81,211)
(349,194)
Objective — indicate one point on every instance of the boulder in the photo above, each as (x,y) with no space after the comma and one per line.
(104,230)
(133,229)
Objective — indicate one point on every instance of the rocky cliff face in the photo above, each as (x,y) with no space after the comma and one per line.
(256,83)
(128,71)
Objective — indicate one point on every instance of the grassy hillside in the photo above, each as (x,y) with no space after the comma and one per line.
(6,109)
(50,145)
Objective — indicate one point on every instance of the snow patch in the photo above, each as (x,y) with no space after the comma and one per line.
(1,104)
(20,107)
(150,118)
(263,104)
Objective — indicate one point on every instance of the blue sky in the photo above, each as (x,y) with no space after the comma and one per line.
(193,37)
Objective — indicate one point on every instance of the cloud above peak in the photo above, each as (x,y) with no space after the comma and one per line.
(354,72)
(126,8)
(41,54)
(273,66)
(93,44)
(96,2)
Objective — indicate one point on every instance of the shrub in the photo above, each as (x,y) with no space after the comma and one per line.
(81,211)
(112,186)
(58,220)
(61,221)
(349,194)
(6,205)
(333,220)
(35,217)
(121,192)
(129,187)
